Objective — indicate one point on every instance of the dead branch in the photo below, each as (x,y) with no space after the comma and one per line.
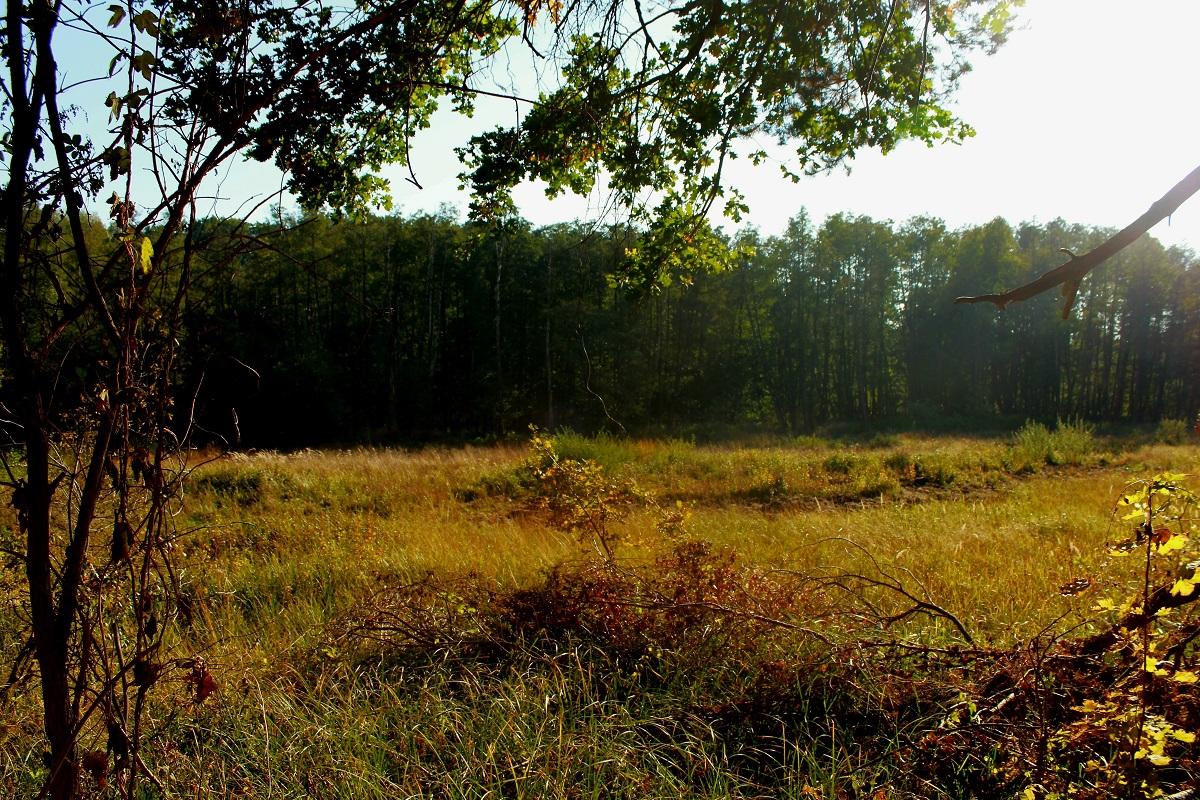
(1071,273)
(853,583)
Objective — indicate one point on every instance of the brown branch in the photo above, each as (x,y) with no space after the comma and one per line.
(1160,599)
(1071,273)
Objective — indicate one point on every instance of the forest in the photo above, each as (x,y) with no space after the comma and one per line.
(395,329)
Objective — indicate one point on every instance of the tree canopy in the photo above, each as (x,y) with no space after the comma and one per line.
(656,97)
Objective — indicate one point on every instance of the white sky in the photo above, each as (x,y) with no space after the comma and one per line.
(1090,112)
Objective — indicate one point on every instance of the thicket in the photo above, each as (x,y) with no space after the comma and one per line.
(399,329)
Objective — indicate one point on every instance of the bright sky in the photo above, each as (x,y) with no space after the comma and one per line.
(1090,112)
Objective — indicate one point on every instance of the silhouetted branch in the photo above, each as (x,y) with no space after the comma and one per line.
(1071,273)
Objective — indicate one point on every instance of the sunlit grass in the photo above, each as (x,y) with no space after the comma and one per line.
(320,529)
(281,546)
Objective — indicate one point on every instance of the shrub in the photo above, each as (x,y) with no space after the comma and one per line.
(1172,431)
(933,470)
(1031,444)
(769,487)
(901,463)
(841,463)
(881,441)
(608,451)
(1071,442)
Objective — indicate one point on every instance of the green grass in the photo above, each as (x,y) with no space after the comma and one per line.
(288,552)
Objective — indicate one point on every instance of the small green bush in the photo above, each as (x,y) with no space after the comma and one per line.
(1172,431)
(511,482)
(901,463)
(1071,442)
(933,471)
(1031,445)
(841,463)
(882,441)
(769,487)
(246,487)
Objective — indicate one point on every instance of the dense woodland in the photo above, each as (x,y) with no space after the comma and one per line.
(400,329)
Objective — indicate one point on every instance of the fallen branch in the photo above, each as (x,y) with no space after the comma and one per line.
(1071,273)
(852,584)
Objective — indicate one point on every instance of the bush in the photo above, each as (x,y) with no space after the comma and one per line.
(1071,442)
(1172,431)
(933,470)
(769,487)
(901,463)
(841,463)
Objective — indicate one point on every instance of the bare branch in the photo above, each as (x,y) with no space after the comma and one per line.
(1071,273)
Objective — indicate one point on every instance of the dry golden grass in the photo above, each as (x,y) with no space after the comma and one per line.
(277,546)
(316,530)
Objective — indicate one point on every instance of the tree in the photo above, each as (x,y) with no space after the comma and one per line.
(658,98)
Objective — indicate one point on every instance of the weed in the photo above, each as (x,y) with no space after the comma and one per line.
(770,488)
(610,452)
(901,463)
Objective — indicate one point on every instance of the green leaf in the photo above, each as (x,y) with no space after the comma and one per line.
(143,61)
(147,23)
(118,14)
(114,104)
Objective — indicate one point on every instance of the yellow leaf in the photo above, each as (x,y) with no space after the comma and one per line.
(1183,587)
(1184,676)
(1186,737)
(146,254)
(1171,545)
(1159,760)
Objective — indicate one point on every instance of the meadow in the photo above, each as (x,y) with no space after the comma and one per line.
(602,617)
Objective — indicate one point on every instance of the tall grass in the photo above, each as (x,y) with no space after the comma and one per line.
(287,550)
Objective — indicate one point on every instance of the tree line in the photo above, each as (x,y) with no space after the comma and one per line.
(395,329)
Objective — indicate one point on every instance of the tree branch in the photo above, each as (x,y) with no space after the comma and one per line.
(1071,273)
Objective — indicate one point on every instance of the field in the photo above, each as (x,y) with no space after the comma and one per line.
(613,618)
